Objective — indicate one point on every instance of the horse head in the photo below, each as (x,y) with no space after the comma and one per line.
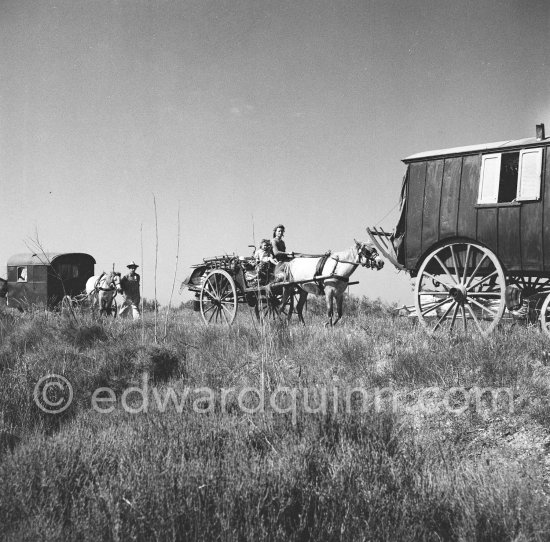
(115,281)
(110,281)
(368,255)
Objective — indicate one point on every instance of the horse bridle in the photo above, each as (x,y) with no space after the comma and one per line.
(111,286)
(369,256)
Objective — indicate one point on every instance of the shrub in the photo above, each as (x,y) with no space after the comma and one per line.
(161,362)
(83,336)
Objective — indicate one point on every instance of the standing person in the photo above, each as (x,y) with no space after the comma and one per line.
(279,246)
(129,285)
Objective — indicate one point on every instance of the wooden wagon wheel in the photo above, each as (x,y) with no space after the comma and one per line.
(218,298)
(458,284)
(545,316)
(530,285)
(269,306)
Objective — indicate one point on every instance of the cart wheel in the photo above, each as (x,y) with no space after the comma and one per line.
(530,285)
(545,316)
(269,306)
(460,281)
(218,298)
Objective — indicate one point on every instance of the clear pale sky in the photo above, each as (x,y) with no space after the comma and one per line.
(245,114)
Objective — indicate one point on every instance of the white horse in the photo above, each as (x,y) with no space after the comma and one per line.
(101,291)
(336,271)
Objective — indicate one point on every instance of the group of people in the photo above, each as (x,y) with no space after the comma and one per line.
(271,252)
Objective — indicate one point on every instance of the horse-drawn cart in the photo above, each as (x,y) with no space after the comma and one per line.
(474,232)
(221,283)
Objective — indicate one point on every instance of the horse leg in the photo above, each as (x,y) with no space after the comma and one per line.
(339,305)
(290,305)
(300,306)
(92,299)
(330,302)
(105,305)
(109,306)
(287,294)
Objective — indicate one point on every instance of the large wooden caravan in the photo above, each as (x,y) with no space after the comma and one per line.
(44,279)
(474,230)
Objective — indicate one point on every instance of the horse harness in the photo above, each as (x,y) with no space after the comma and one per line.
(321,264)
(110,287)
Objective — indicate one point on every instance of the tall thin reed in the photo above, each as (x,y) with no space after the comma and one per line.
(156,262)
(174,281)
(141,283)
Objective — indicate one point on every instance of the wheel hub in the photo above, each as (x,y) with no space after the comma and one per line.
(459,294)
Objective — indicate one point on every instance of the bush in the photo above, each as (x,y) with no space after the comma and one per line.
(161,362)
(84,336)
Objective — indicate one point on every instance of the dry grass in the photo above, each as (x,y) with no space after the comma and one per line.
(225,473)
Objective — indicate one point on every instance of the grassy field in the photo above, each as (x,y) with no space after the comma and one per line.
(368,431)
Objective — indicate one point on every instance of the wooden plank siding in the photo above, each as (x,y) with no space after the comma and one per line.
(469,184)
(415,201)
(546,215)
(509,241)
(487,227)
(432,200)
(531,236)
(450,192)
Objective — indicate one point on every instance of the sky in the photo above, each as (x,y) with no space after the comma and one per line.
(238,115)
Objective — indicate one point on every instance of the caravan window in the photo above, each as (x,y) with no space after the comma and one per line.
(22,274)
(67,271)
(510,176)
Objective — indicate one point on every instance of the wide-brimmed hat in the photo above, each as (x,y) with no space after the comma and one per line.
(133,265)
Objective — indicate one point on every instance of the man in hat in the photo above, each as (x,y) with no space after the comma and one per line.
(129,286)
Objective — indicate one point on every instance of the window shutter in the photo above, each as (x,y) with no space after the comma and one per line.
(489,179)
(530,162)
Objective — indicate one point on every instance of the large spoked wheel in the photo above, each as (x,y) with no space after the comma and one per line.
(218,298)
(460,285)
(530,285)
(545,316)
(270,306)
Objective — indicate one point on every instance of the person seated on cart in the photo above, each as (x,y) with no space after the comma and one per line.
(279,246)
(280,253)
(265,261)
